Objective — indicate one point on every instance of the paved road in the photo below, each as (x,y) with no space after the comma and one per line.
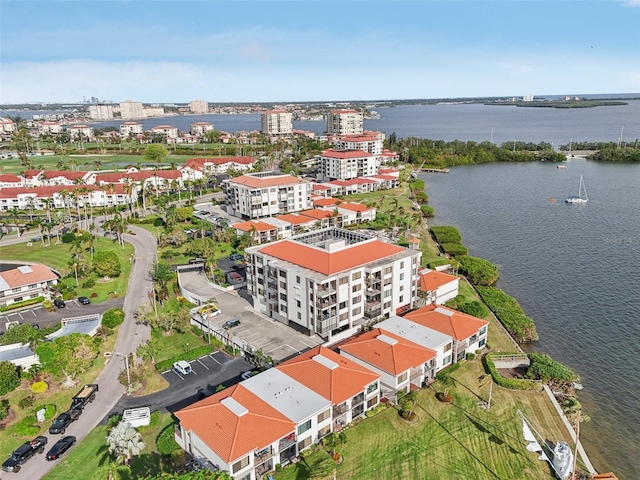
(130,336)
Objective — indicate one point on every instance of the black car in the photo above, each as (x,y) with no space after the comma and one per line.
(60,447)
(236,257)
(59,303)
(204,393)
(63,420)
(84,300)
(23,453)
(233,322)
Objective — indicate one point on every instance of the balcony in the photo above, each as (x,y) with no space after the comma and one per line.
(415,374)
(339,410)
(262,455)
(286,442)
(357,411)
(372,309)
(323,304)
(357,399)
(261,470)
(325,291)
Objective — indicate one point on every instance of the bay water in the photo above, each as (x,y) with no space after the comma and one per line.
(573,269)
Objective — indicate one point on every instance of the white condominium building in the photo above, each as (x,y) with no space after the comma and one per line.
(130,110)
(329,282)
(133,128)
(101,112)
(345,122)
(368,143)
(277,123)
(264,194)
(345,164)
(200,128)
(199,106)
(80,132)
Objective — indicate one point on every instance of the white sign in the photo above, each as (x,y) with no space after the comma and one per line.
(40,415)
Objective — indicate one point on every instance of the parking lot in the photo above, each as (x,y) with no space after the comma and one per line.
(207,372)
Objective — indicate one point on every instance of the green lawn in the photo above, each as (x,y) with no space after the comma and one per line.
(176,343)
(84,460)
(59,256)
(458,441)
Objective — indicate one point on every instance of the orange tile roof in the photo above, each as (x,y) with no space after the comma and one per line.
(344,381)
(329,263)
(255,182)
(342,154)
(318,213)
(257,224)
(49,190)
(319,186)
(326,202)
(355,207)
(294,218)
(220,160)
(232,436)
(394,359)
(358,138)
(9,177)
(18,278)
(453,323)
(433,280)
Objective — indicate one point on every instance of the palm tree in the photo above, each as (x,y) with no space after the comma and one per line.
(124,442)
(47,207)
(14,213)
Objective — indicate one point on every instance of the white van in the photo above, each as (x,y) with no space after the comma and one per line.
(182,367)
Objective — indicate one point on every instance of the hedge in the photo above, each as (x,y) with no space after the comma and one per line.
(508,311)
(511,383)
(27,427)
(166,441)
(439,263)
(478,270)
(545,368)
(454,248)
(23,303)
(446,234)
(190,355)
(427,210)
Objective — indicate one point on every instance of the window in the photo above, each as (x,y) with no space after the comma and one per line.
(388,270)
(446,360)
(402,288)
(324,432)
(402,276)
(240,464)
(260,271)
(372,388)
(372,402)
(401,299)
(387,293)
(304,443)
(283,284)
(299,316)
(356,288)
(324,415)
(343,280)
(357,299)
(342,305)
(283,274)
(447,347)
(283,308)
(304,427)
(403,377)
(283,296)
(356,311)
(344,316)
(482,342)
(356,276)
(401,264)
(298,303)
(297,278)
(386,305)
(483,330)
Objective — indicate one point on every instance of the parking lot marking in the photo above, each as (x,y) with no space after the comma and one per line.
(203,364)
(310,346)
(213,358)
(34,313)
(180,376)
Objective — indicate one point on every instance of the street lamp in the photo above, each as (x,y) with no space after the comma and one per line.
(126,363)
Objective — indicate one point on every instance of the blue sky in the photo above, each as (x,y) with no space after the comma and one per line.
(276,51)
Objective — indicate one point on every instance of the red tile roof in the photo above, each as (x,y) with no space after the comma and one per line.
(51,174)
(19,277)
(294,218)
(257,224)
(256,182)
(220,160)
(394,356)
(318,186)
(354,181)
(342,154)
(329,263)
(433,280)
(355,207)
(47,191)
(446,320)
(326,202)
(9,177)
(358,138)
(335,383)
(115,177)
(231,436)
(319,213)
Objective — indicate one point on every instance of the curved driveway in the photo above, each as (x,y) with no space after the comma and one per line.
(130,336)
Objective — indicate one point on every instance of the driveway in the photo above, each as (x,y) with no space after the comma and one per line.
(207,372)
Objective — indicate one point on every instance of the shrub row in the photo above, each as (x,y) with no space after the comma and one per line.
(166,441)
(23,303)
(190,355)
(511,383)
(446,234)
(508,311)
(545,368)
(454,249)
(427,211)
(439,263)
(478,270)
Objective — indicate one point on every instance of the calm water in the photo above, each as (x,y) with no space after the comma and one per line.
(574,270)
(448,122)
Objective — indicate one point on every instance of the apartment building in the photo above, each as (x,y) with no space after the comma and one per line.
(367,143)
(196,168)
(80,132)
(63,196)
(438,287)
(329,282)
(130,110)
(10,180)
(265,194)
(49,127)
(345,122)
(101,112)
(200,128)
(25,282)
(166,130)
(7,125)
(277,123)
(38,178)
(345,165)
(130,128)
(199,106)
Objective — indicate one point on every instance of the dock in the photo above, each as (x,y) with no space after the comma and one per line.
(433,170)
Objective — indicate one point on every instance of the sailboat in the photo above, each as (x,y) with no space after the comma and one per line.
(582,198)
(559,456)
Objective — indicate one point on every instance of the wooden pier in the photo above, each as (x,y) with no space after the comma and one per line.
(433,170)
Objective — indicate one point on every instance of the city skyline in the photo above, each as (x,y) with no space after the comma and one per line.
(271,51)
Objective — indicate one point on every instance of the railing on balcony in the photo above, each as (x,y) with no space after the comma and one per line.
(286,442)
(264,468)
(339,410)
(357,411)
(262,455)
(462,346)
(357,399)
(325,291)
(372,309)
(323,304)
(415,374)
(326,323)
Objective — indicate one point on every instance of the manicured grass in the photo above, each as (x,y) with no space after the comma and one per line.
(460,441)
(83,461)
(59,256)
(176,343)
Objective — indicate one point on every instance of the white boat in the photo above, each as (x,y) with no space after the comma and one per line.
(559,456)
(561,167)
(582,198)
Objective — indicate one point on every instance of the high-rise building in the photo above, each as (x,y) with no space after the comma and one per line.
(345,122)
(199,106)
(277,123)
(130,110)
(101,112)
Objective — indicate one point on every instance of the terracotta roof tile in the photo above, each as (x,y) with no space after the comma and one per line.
(19,277)
(255,182)
(446,320)
(342,154)
(337,384)
(326,202)
(294,218)
(432,280)
(257,224)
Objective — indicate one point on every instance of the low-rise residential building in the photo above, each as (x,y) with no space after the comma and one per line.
(399,362)
(9,180)
(200,128)
(345,164)
(259,231)
(49,127)
(7,125)
(25,282)
(166,130)
(345,122)
(160,179)
(266,194)
(196,168)
(329,282)
(438,287)
(130,128)
(80,132)
(353,213)
(37,178)
(468,332)
(277,123)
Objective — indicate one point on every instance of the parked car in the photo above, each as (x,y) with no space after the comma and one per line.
(248,374)
(60,447)
(182,367)
(236,257)
(204,393)
(23,453)
(59,303)
(197,260)
(234,277)
(62,421)
(232,322)
(84,300)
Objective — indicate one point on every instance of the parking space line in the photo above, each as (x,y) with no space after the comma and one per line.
(213,358)
(203,365)
(34,313)
(306,344)
(180,376)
